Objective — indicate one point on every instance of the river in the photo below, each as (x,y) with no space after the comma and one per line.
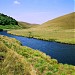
(64,53)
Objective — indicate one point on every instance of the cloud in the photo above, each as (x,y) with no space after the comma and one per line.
(16,2)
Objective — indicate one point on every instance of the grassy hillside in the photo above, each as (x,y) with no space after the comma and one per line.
(64,22)
(60,29)
(26,25)
(20,60)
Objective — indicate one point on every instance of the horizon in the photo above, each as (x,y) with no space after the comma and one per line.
(36,11)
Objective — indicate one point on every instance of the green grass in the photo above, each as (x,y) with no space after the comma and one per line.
(61,29)
(11,63)
(21,25)
(21,60)
(7,27)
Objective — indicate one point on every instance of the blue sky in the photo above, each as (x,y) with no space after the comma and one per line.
(36,11)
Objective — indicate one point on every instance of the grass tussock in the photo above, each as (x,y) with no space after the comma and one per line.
(20,60)
(11,63)
(61,29)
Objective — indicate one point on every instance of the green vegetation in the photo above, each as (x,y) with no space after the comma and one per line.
(61,29)
(20,60)
(7,20)
(21,25)
(8,27)
(11,63)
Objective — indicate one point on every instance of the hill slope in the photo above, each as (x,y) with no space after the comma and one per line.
(26,25)
(19,60)
(65,22)
(7,20)
(60,29)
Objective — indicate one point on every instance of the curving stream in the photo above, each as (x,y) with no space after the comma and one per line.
(64,53)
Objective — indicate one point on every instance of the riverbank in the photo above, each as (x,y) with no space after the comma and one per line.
(63,36)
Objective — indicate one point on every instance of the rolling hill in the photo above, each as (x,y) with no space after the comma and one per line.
(26,25)
(64,22)
(60,29)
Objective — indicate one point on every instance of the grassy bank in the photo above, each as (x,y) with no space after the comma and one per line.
(61,29)
(20,60)
(63,36)
(10,27)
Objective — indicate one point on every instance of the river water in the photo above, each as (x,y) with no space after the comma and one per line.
(64,53)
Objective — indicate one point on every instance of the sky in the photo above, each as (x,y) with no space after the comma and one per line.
(36,11)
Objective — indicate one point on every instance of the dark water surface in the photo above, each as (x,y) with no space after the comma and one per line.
(64,53)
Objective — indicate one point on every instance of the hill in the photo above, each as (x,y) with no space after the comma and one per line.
(7,20)
(64,22)
(60,29)
(26,25)
(20,60)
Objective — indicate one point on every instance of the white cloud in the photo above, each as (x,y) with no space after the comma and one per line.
(16,2)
